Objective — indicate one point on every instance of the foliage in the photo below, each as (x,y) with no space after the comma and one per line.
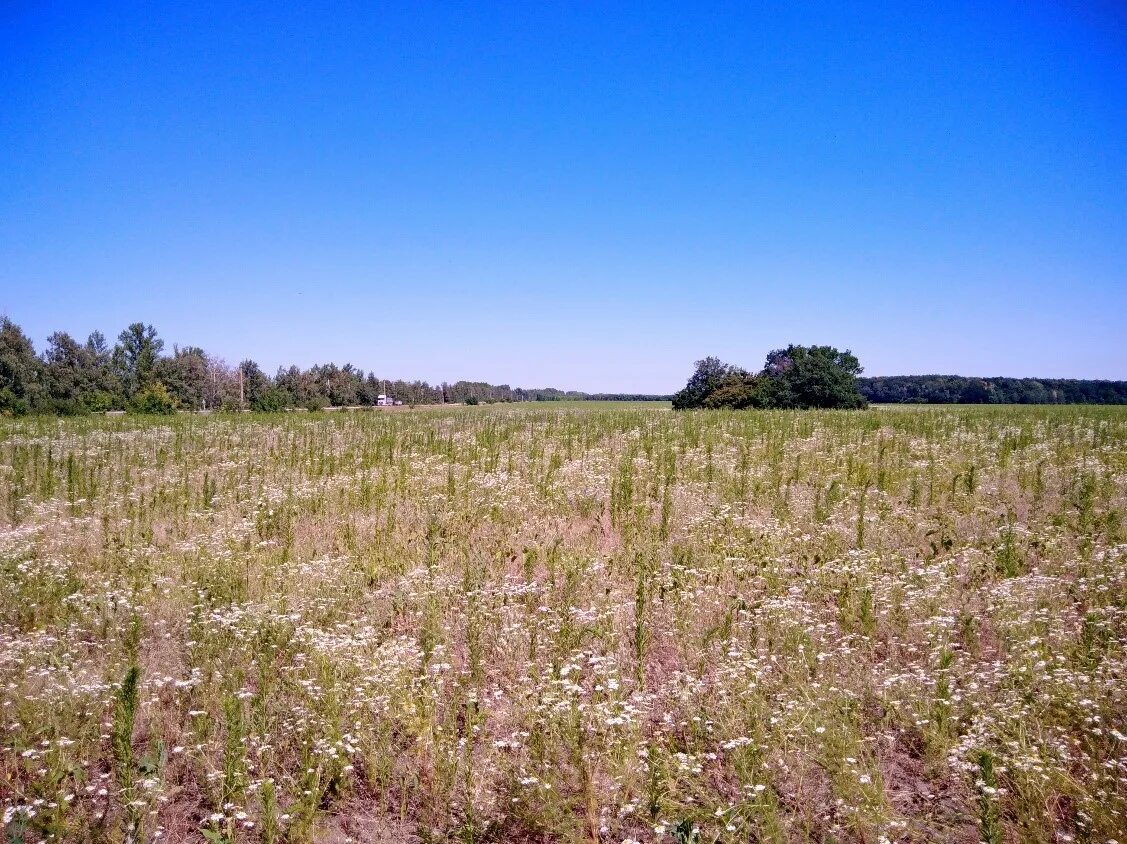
(186,376)
(99,401)
(956,389)
(154,399)
(797,377)
(21,372)
(10,403)
(256,388)
(270,399)
(813,377)
(136,355)
(710,374)
(742,390)
(74,372)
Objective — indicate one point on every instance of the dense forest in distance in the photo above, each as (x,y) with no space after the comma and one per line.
(959,389)
(91,376)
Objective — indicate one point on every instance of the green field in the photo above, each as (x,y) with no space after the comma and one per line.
(566,622)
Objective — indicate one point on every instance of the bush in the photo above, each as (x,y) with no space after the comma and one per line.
(272,400)
(63,407)
(742,390)
(154,400)
(11,404)
(99,401)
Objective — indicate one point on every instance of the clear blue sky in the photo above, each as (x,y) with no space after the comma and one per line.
(590,196)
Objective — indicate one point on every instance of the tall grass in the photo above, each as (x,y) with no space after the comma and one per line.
(575,623)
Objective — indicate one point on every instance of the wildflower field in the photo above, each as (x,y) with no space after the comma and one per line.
(574,624)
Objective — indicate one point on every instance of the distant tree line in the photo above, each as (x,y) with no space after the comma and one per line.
(792,378)
(959,389)
(479,392)
(72,377)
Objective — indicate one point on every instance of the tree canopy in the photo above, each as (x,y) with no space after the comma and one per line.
(794,377)
(958,389)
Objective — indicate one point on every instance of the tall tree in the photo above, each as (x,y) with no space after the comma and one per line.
(97,346)
(185,374)
(108,391)
(814,376)
(255,386)
(222,385)
(138,349)
(71,371)
(706,378)
(21,373)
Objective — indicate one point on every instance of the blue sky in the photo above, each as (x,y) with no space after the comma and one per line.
(590,196)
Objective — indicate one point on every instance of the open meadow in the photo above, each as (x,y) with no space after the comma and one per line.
(608,623)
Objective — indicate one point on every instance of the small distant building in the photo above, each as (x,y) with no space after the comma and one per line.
(383,401)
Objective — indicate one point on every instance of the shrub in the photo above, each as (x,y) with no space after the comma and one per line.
(271,400)
(154,400)
(99,401)
(63,407)
(11,404)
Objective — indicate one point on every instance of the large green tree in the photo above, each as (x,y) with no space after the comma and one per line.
(814,376)
(794,377)
(256,392)
(71,373)
(186,376)
(21,372)
(709,375)
(136,355)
